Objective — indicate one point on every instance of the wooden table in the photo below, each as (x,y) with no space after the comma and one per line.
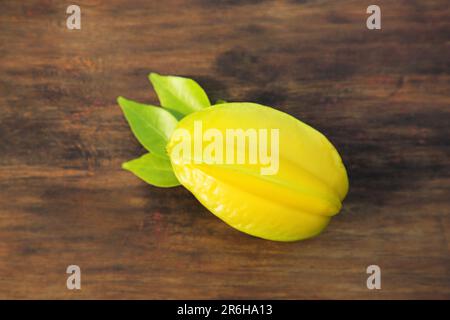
(381,96)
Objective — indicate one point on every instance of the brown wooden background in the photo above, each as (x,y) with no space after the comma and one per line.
(382,97)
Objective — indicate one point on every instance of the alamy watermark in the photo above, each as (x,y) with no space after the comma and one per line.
(374,280)
(373,22)
(74,280)
(74,20)
(230,146)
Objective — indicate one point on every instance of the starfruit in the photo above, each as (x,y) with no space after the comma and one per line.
(291,200)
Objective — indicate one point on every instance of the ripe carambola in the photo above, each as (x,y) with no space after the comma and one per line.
(295,203)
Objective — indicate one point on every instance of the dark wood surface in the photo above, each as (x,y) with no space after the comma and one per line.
(382,97)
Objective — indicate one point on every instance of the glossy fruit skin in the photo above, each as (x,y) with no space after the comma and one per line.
(296,203)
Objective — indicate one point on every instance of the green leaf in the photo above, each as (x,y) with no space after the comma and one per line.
(176,114)
(151,125)
(153,169)
(220,101)
(179,94)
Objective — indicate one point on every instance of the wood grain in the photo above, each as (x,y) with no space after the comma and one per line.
(382,97)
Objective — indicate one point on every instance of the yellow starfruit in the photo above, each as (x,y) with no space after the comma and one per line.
(258,169)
